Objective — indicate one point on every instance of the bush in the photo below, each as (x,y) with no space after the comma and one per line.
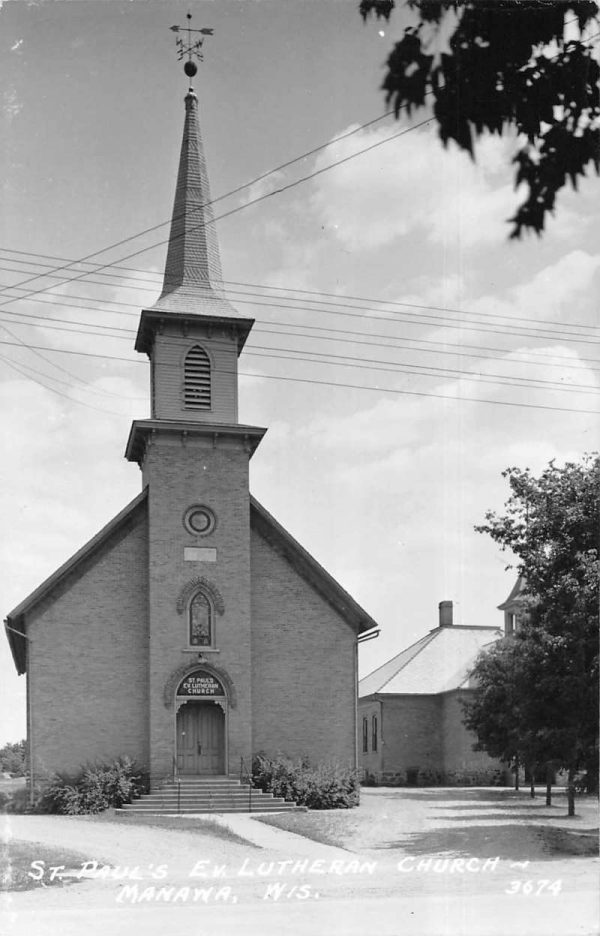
(324,786)
(15,801)
(95,788)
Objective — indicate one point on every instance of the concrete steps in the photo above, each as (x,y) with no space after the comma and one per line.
(207,795)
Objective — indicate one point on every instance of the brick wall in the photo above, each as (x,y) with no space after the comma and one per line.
(87,662)
(411,738)
(461,763)
(181,473)
(303,665)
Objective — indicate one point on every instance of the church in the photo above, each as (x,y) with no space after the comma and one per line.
(192,631)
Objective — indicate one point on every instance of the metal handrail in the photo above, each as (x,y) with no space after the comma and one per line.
(177,780)
(245,774)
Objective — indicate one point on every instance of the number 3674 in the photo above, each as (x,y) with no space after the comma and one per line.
(534,888)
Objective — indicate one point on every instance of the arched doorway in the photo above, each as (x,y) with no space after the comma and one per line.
(200,725)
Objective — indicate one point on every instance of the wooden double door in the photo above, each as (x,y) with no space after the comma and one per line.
(201,739)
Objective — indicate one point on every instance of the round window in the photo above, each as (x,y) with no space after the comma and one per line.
(199,520)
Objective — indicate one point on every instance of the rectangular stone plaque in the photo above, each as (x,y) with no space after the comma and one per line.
(199,554)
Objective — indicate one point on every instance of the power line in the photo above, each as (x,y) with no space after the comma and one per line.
(232,211)
(40,321)
(408,369)
(336,335)
(461,347)
(226,214)
(27,372)
(225,284)
(396,391)
(361,312)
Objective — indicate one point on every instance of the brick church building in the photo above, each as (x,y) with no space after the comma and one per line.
(193,630)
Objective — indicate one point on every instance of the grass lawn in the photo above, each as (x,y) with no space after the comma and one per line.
(15,864)
(194,824)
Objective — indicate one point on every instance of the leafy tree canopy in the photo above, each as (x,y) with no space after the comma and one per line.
(539,689)
(552,525)
(13,758)
(507,64)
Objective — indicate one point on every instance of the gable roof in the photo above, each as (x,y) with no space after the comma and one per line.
(438,662)
(314,573)
(15,621)
(261,520)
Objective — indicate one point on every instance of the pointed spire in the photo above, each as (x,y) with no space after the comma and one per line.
(193,275)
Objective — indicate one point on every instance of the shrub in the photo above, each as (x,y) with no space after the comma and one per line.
(95,788)
(15,801)
(323,786)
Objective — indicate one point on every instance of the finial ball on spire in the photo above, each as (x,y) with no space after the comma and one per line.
(190,68)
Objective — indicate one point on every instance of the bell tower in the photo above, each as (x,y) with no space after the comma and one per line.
(194,457)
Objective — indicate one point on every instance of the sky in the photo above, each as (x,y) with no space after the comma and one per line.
(405,351)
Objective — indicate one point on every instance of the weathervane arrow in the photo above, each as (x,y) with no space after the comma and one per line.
(193,47)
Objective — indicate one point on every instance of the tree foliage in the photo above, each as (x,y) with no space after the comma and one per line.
(508,65)
(538,696)
(13,758)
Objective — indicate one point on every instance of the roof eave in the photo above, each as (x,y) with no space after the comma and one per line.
(16,620)
(152,320)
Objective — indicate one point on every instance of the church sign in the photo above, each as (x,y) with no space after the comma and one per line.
(200,683)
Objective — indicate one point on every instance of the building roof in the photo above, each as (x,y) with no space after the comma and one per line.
(193,277)
(15,621)
(438,662)
(260,519)
(517,595)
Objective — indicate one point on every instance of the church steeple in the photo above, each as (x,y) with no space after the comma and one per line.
(193,266)
(192,335)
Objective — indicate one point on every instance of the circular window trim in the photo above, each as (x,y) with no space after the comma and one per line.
(211,520)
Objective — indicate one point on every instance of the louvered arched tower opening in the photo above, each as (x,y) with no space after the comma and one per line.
(197,379)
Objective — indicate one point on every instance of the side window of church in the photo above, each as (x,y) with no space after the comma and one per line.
(201,624)
(374,733)
(196,379)
(365,735)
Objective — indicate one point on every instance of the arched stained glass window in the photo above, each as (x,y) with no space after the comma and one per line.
(196,379)
(201,624)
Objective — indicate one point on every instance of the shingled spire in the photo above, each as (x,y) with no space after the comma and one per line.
(193,268)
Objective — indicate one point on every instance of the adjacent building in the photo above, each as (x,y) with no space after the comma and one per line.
(410,711)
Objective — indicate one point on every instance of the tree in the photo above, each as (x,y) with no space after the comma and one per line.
(13,758)
(493,714)
(507,66)
(544,681)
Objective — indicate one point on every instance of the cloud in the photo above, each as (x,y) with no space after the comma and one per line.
(411,183)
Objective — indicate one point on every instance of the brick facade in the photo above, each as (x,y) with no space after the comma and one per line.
(423,742)
(304,665)
(88,662)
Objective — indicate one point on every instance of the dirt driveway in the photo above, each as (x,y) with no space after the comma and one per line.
(430,862)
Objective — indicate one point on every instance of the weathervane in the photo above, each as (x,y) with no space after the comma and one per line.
(191,48)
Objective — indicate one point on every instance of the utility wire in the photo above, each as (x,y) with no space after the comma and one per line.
(396,391)
(226,214)
(336,335)
(392,316)
(44,322)
(408,368)
(27,372)
(341,299)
